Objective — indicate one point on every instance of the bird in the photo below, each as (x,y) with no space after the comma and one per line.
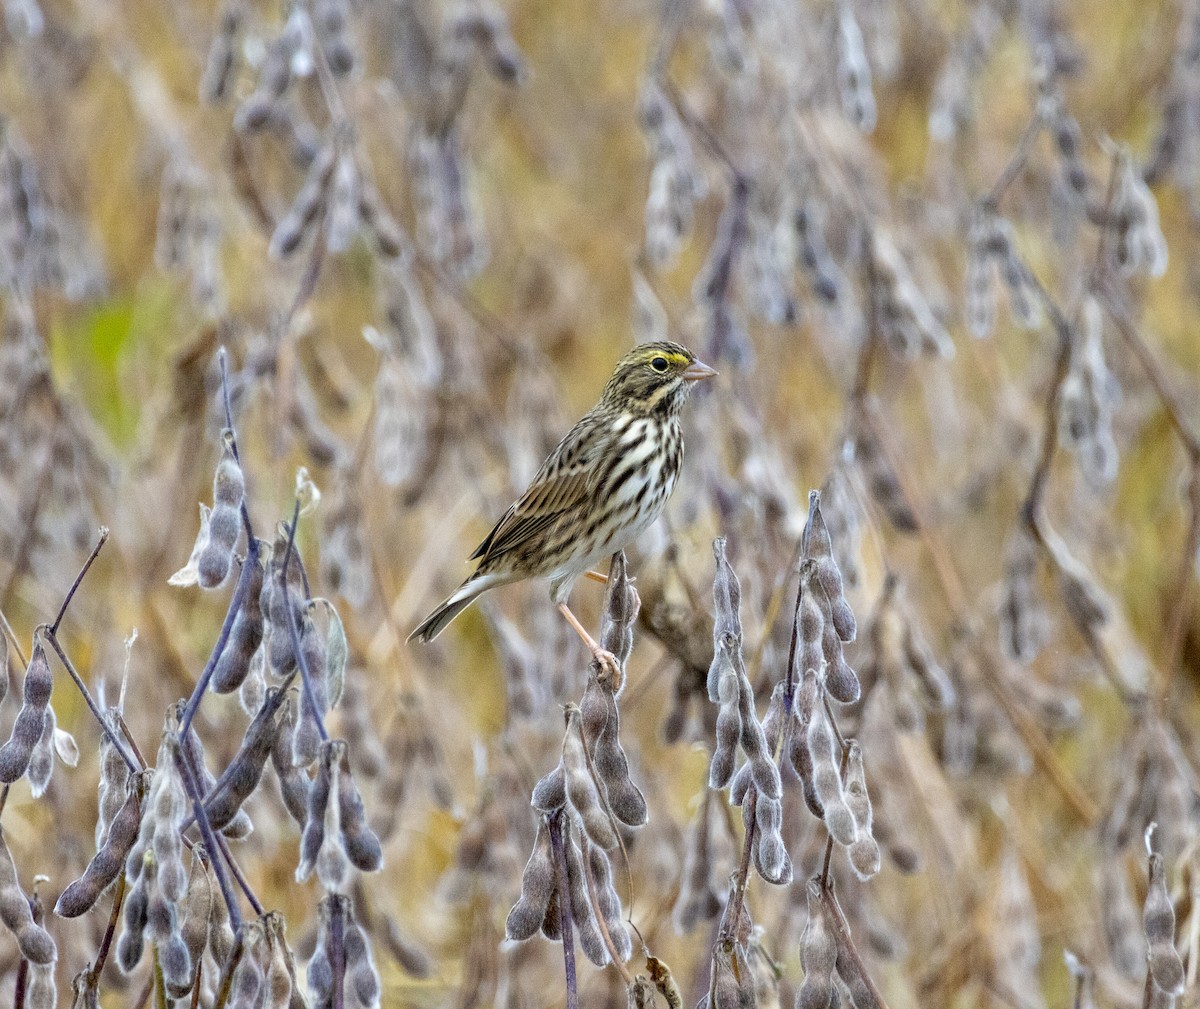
(608,479)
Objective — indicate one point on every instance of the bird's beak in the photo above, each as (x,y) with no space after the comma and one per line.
(698,371)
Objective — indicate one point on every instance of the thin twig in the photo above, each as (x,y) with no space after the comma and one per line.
(206,831)
(1016,162)
(62,610)
(554,825)
(846,941)
(294,629)
(235,604)
(594,899)
(108,730)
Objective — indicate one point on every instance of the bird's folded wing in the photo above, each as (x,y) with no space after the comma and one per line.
(560,487)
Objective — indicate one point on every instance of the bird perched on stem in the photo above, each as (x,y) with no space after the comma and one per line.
(607,480)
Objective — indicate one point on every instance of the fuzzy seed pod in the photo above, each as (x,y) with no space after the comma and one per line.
(1158,923)
(225,520)
(862,995)
(818,954)
(306,742)
(625,799)
(176,964)
(361,842)
(82,895)
(246,986)
(312,840)
(770,855)
(537,887)
(41,760)
(197,907)
(193,751)
(245,770)
(244,637)
(41,992)
(294,783)
(582,791)
(218,67)
(342,217)
(220,933)
(581,906)
(729,728)
(608,901)
(33,941)
(31,719)
(854,72)
(882,482)
(727,600)
(362,976)
(114,781)
(827,779)
(621,605)
(864,852)
(550,793)
(808,697)
(167,807)
(811,628)
(819,546)
(282,989)
(130,943)
(754,743)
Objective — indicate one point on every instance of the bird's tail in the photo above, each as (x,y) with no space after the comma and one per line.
(459,600)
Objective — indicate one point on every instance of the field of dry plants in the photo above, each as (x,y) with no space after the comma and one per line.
(296,298)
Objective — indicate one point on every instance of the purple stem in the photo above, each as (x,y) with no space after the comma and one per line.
(554,822)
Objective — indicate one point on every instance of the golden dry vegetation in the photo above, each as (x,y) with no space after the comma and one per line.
(943,256)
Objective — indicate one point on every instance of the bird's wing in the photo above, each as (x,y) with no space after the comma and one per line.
(561,485)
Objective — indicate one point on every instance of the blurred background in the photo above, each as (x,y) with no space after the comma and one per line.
(941,253)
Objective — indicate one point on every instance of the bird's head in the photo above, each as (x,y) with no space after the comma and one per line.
(655,378)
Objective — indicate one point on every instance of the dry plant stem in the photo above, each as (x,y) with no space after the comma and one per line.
(12,639)
(1041,473)
(846,940)
(337,932)
(29,532)
(594,899)
(554,825)
(62,610)
(707,137)
(106,943)
(113,738)
(130,740)
(1182,594)
(242,882)
(235,605)
(210,841)
(22,980)
(1031,735)
(1016,162)
(227,972)
(156,976)
(49,632)
(294,630)
(742,880)
(774,605)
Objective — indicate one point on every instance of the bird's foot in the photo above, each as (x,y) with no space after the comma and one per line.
(609,673)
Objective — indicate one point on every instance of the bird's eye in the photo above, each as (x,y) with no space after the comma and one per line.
(659,364)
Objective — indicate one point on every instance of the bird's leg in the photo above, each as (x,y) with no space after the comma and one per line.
(596,576)
(609,666)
